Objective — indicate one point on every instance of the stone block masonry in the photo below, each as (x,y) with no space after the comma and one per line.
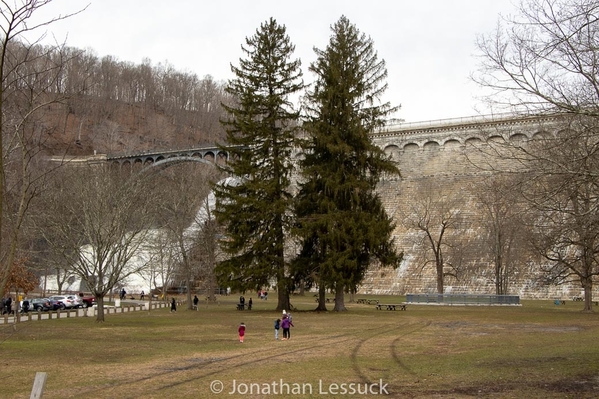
(448,157)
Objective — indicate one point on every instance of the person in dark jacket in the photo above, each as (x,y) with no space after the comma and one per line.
(277,327)
(286,325)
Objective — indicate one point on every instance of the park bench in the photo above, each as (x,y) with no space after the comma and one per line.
(391,306)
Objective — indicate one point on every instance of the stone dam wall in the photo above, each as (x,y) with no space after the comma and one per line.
(445,159)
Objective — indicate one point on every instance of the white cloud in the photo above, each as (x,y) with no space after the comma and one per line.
(428,45)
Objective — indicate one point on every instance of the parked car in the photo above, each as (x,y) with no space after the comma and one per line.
(68,301)
(38,303)
(45,304)
(87,300)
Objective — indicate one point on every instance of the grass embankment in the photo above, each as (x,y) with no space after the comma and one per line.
(536,350)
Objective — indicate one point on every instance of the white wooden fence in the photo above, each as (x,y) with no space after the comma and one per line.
(87,312)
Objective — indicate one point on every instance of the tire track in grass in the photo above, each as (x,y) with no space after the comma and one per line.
(212,366)
(323,343)
(404,330)
(394,345)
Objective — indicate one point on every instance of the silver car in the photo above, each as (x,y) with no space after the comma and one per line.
(68,301)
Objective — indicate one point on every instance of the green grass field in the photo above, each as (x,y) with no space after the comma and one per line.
(537,350)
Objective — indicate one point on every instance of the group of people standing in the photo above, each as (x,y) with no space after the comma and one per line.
(284,323)
(263,294)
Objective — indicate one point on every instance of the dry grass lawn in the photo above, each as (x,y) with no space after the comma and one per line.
(538,350)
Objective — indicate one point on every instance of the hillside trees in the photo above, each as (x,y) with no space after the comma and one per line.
(98,219)
(254,207)
(546,61)
(153,106)
(27,77)
(342,224)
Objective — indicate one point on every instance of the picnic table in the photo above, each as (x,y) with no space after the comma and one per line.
(368,301)
(391,306)
(327,300)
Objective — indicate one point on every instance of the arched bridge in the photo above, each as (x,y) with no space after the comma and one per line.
(208,155)
(394,139)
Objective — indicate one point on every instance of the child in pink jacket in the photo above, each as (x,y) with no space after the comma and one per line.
(241,331)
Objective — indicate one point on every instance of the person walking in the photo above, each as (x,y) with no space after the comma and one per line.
(277,327)
(250,304)
(8,305)
(173,305)
(286,325)
(241,331)
(195,302)
(142,296)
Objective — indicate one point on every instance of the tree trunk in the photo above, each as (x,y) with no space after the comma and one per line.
(439,278)
(283,298)
(188,294)
(210,288)
(587,284)
(322,307)
(339,299)
(100,308)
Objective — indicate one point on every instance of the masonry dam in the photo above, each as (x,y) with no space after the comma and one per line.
(443,157)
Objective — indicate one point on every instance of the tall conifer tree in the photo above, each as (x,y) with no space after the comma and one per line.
(341,221)
(254,204)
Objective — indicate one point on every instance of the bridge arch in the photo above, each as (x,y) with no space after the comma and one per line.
(166,162)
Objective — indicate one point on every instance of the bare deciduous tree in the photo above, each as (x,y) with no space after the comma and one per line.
(436,219)
(98,220)
(545,60)
(179,215)
(27,77)
(504,230)
(563,194)
(207,249)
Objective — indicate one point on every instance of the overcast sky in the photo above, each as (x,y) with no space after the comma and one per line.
(428,45)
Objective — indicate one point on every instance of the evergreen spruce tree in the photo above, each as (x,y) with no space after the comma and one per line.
(342,224)
(254,204)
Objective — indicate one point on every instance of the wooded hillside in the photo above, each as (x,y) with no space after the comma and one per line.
(110,106)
